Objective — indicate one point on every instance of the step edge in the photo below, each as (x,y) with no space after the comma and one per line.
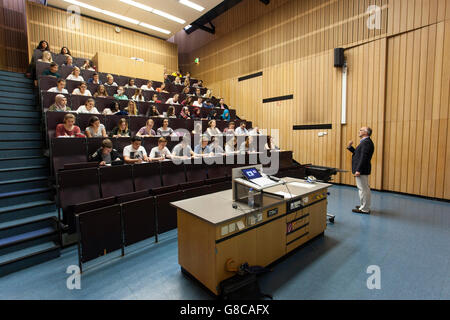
(27,205)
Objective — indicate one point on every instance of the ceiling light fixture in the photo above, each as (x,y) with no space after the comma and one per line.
(149,26)
(155,11)
(191,5)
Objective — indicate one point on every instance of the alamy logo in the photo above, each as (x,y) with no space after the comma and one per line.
(74,20)
(74,280)
(374,281)
(374,20)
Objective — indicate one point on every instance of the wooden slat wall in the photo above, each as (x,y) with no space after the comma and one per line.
(95,36)
(398,84)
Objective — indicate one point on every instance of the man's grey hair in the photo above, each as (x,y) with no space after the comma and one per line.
(369,131)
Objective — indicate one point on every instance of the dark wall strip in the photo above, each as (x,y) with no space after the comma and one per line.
(253,75)
(288,97)
(312,127)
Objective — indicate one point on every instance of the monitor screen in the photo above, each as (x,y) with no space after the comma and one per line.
(251,173)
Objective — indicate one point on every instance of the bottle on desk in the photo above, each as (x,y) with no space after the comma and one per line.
(251,198)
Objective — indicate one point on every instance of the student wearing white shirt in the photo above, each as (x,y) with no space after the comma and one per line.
(88,107)
(247,145)
(198,103)
(135,152)
(165,130)
(183,149)
(82,90)
(212,129)
(173,100)
(130,84)
(270,145)
(241,130)
(148,86)
(230,146)
(160,152)
(110,81)
(75,75)
(138,96)
(59,87)
(254,132)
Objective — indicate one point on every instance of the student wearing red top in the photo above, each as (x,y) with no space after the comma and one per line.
(68,129)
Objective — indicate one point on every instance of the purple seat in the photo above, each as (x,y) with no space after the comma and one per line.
(177,123)
(79,62)
(72,85)
(140,82)
(139,220)
(64,71)
(93,144)
(47,82)
(131,196)
(94,204)
(105,102)
(41,67)
(166,214)
(149,143)
(102,76)
(74,187)
(196,175)
(116,180)
(147,176)
(137,123)
(112,90)
(172,174)
(197,191)
(80,165)
(60,59)
(113,120)
(100,232)
(121,80)
(77,101)
(67,150)
(86,74)
(83,120)
(92,87)
(48,98)
(52,119)
(120,143)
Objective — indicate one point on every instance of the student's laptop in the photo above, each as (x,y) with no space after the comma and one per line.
(254,176)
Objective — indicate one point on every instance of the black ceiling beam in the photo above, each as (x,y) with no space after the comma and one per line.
(211,29)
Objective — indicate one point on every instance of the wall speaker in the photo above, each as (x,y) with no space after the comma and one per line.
(339,58)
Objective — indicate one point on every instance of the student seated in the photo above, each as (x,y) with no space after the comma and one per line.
(68,62)
(132,108)
(155,99)
(115,110)
(171,112)
(213,115)
(60,104)
(135,152)
(198,103)
(185,114)
(165,130)
(198,92)
(95,79)
(178,81)
(230,129)
(121,130)
(60,84)
(208,104)
(212,130)
(198,84)
(215,146)
(75,75)
(173,100)
(65,51)
(160,152)
(185,91)
(255,132)
(82,90)
(203,148)
(120,95)
(138,96)
(95,128)
(183,149)
(187,82)
(247,145)
(147,131)
(162,88)
(152,112)
(110,81)
(241,130)
(101,92)
(46,57)
(177,74)
(106,154)
(68,129)
(52,71)
(87,66)
(270,145)
(197,114)
(148,86)
(131,84)
(226,116)
(188,101)
(88,107)
(230,146)
(197,128)
(222,104)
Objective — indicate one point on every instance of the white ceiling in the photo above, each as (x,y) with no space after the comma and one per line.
(172,7)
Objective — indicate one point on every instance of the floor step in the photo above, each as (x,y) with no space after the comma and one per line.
(23,172)
(15,222)
(23,184)
(13,74)
(20,120)
(17,107)
(22,162)
(19,89)
(20,135)
(15,127)
(9,79)
(21,144)
(20,152)
(20,101)
(26,210)
(11,199)
(11,84)
(19,95)
(21,114)
(29,257)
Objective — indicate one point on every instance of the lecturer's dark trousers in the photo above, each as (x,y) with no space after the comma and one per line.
(362,183)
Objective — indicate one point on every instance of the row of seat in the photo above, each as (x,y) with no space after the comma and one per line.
(74,101)
(76,150)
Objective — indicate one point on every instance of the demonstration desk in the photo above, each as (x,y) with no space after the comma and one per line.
(212,234)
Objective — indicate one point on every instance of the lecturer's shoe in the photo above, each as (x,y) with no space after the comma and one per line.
(357,207)
(359,211)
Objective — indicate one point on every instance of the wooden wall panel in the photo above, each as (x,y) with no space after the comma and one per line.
(95,36)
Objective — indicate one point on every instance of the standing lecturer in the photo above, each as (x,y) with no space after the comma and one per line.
(361,168)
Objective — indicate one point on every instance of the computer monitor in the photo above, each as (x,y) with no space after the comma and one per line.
(251,173)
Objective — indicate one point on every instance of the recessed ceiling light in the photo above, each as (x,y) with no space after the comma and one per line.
(118,16)
(84,5)
(149,26)
(188,27)
(192,5)
(155,11)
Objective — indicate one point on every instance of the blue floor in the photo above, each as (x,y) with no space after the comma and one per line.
(407,237)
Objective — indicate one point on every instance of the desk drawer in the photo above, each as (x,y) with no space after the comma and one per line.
(297,242)
(300,229)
